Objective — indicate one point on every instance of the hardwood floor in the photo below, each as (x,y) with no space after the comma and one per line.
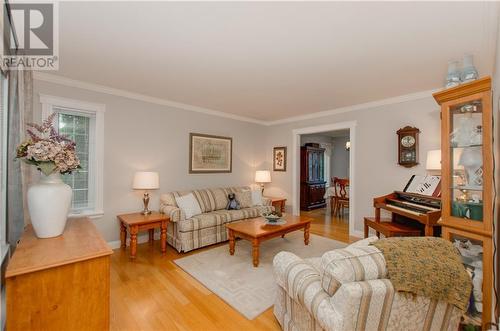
(153,293)
(326,225)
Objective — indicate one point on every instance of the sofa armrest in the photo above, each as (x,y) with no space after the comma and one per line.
(175,213)
(361,300)
(299,279)
(302,283)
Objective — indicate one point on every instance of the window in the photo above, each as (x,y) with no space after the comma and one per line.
(83,123)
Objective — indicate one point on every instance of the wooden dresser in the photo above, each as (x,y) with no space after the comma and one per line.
(312,181)
(59,283)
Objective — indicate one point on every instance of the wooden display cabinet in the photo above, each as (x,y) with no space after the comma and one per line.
(467,187)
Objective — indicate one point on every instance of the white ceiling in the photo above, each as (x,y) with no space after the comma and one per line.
(272,60)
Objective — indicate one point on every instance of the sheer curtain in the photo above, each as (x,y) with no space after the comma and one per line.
(20,112)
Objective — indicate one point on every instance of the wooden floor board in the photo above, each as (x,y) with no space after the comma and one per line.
(153,293)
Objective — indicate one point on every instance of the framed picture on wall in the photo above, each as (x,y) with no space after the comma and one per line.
(210,154)
(279,159)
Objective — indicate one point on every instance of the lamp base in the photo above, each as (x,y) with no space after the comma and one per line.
(145,200)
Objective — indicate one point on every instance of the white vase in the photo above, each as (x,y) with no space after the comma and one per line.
(49,201)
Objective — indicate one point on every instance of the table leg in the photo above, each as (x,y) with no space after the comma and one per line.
(163,236)
(306,233)
(151,236)
(429,231)
(366,230)
(133,241)
(283,235)
(231,242)
(123,235)
(255,252)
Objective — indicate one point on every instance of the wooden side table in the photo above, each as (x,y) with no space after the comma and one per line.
(278,203)
(137,222)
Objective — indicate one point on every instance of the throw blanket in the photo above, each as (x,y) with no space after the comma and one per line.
(427,266)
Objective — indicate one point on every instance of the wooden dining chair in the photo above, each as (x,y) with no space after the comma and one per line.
(341,198)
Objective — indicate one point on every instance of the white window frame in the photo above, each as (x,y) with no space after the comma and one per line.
(96,110)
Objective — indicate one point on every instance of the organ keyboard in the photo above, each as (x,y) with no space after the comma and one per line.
(407,207)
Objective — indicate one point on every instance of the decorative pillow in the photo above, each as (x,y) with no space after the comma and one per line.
(256,197)
(244,198)
(189,205)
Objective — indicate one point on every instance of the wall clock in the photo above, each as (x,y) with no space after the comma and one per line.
(408,146)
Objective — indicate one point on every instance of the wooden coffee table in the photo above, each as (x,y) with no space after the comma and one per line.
(256,230)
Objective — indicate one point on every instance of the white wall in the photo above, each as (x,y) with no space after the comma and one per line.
(376,169)
(339,166)
(143,136)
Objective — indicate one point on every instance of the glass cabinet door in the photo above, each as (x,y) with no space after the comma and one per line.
(466,160)
(471,252)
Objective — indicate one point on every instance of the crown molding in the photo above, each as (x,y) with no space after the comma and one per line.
(361,106)
(60,80)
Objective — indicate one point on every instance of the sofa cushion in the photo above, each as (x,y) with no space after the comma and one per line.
(351,264)
(205,220)
(244,198)
(218,217)
(208,199)
(188,204)
(251,212)
(220,198)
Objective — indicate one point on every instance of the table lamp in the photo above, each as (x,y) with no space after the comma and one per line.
(144,180)
(261,177)
(433,160)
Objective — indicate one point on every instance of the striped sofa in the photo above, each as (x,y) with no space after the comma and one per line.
(347,289)
(209,227)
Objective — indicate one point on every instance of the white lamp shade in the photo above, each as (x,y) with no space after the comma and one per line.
(262,176)
(144,180)
(433,160)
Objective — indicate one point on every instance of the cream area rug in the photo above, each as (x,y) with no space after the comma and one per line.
(249,290)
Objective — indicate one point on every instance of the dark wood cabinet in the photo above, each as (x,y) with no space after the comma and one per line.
(312,181)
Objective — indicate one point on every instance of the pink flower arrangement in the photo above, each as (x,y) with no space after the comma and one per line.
(48,150)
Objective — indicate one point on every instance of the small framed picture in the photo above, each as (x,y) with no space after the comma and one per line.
(279,159)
